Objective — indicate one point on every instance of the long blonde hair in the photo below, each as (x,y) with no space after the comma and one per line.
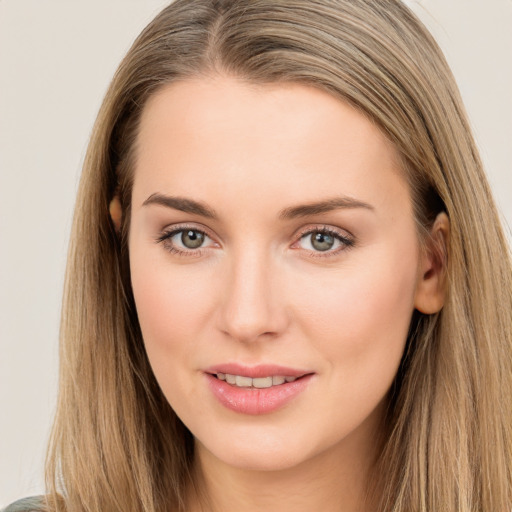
(117,444)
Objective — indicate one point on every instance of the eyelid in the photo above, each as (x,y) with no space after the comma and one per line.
(185,225)
(313,228)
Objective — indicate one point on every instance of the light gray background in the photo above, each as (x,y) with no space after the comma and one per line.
(56,60)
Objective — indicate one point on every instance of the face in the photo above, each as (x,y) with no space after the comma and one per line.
(275,266)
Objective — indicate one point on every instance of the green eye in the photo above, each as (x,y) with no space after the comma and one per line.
(322,241)
(192,239)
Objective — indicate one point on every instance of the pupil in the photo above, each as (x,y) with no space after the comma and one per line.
(192,239)
(322,241)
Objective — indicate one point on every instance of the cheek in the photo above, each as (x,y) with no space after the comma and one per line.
(359,314)
(169,304)
(356,319)
(172,309)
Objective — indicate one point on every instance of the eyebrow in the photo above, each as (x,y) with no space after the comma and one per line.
(199,208)
(181,203)
(327,205)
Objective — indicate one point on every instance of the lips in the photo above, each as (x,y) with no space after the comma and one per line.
(256,390)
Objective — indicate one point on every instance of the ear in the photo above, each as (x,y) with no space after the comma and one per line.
(116,212)
(431,284)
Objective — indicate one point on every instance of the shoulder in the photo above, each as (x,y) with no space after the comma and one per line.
(32,504)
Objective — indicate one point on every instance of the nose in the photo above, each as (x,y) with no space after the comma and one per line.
(252,306)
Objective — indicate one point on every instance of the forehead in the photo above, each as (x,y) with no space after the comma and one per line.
(284,140)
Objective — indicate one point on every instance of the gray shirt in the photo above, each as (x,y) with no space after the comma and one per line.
(32,504)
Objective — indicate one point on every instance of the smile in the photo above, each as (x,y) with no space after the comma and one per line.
(242,381)
(256,390)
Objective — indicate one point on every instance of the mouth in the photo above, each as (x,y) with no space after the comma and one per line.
(256,390)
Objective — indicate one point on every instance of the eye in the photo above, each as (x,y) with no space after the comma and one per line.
(190,238)
(324,240)
(185,241)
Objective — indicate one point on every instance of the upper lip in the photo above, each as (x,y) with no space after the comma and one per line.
(261,370)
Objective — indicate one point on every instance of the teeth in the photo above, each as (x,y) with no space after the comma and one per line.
(243,382)
(264,382)
(259,383)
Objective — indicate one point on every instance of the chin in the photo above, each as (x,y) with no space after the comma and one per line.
(278,460)
(262,450)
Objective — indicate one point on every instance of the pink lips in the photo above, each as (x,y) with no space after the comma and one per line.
(251,400)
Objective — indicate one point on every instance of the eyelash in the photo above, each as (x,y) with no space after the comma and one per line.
(165,240)
(346,241)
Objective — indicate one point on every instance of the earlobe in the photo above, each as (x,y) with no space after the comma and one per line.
(116,212)
(431,285)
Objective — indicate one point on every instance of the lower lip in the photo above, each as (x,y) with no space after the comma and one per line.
(253,400)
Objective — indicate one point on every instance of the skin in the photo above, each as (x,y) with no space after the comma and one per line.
(258,291)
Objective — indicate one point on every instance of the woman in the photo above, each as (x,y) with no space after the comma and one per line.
(287,283)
